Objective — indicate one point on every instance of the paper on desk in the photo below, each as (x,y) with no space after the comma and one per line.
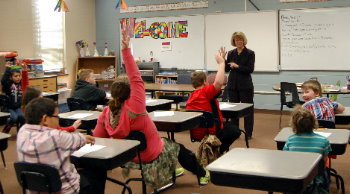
(163,113)
(225,105)
(80,115)
(87,148)
(150,100)
(323,134)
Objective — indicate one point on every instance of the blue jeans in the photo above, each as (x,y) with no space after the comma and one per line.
(16,115)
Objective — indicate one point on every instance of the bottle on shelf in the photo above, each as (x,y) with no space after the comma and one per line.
(95,51)
(106,50)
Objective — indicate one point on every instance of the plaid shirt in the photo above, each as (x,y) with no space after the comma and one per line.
(39,144)
(322,108)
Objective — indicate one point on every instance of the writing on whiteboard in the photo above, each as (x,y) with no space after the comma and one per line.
(156,30)
(300,36)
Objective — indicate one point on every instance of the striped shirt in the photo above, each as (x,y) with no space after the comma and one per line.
(39,144)
(308,142)
(322,108)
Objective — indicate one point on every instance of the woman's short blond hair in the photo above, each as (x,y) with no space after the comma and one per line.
(240,35)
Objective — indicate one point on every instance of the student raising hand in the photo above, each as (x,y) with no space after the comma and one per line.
(126,38)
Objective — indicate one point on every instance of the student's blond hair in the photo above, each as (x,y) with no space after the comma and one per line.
(240,35)
(83,74)
(198,79)
(302,120)
(314,85)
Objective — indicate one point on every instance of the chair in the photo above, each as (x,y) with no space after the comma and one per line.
(3,101)
(76,104)
(1,189)
(139,136)
(181,79)
(326,124)
(38,177)
(3,146)
(287,89)
(224,97)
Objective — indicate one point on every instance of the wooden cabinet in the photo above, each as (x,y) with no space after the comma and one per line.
(98,64)
(166,78)
(46,83)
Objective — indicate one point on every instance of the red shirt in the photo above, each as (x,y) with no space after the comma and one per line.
(200,100)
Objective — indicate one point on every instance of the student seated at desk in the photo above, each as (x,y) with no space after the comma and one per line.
(33,92)
(321,107)
(39,141)
(14,83)
(127,112)
(305,140)
(204,97)
(86,89)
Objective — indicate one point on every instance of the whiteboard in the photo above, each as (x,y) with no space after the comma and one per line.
(315,39)
(182,53)
(260,28)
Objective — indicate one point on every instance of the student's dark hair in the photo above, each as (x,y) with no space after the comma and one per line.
(302,120)
(13,71)
(120,91)
(198,78)
(39,107)
(30,93)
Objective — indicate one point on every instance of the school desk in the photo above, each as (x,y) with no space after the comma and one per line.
(158,104)
(3,145)
(175,121)
(52,95)
(116,153)
(328,92)
(88,119)
(182,88)
(344,117)
(338,139)
(267,170)
(235,110)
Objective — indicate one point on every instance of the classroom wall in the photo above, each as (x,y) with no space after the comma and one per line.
(17,31)
(107,30)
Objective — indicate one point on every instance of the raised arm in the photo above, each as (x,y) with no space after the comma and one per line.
(137,89)
(220,75)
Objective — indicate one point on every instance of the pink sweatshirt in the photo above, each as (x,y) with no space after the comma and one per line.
(136,103)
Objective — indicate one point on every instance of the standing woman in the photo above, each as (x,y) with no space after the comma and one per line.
(240,63)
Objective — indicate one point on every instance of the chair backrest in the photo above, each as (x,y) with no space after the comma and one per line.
(326,124)
(184,78)
(206,121)
(3,102)
(77,104)
(290,88)
(38,177)
(139,136)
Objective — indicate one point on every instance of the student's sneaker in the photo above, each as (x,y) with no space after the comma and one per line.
(179,172)
(204,180)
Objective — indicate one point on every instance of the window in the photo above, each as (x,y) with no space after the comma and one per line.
(48,34)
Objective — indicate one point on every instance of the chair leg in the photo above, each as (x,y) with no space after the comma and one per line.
(338,177)
(3,158)
(1,189)
(125,185)
(246,138)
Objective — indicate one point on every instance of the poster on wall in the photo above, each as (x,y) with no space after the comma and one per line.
(181,37)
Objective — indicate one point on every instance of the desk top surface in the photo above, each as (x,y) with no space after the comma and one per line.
(228,106)
(169,87)
(156,102)
(75,115)
(114,147)
(337,136)
(266,163)
(178,116)
(4,114)
(4,136)
(346,113)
